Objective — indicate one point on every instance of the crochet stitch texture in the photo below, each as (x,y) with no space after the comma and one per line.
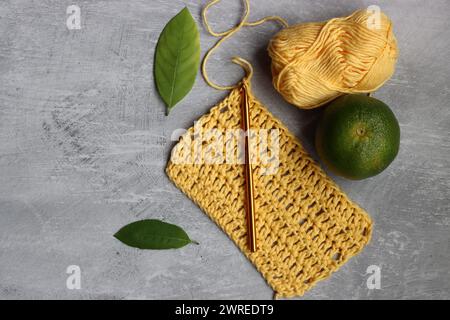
(306,226)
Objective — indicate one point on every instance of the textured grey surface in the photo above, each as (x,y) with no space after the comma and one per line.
(84,142)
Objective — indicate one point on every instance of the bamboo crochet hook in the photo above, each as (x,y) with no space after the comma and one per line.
(250,202)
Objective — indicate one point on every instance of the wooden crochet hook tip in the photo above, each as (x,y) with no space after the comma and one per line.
(249,192)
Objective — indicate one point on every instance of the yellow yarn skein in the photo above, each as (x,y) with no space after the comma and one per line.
(314,63)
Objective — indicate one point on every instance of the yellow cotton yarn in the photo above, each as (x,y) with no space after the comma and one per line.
(314,63)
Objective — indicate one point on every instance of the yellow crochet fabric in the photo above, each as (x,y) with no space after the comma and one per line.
(306,227)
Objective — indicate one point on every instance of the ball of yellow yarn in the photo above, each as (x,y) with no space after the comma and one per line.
(314,63)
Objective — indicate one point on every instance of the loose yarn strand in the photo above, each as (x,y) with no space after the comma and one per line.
(228,34)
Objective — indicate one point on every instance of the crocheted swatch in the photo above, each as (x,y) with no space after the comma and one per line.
(306,226)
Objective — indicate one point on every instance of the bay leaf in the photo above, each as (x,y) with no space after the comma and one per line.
(177,58)
(153,234)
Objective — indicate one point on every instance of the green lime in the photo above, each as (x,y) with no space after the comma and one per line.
(358,136)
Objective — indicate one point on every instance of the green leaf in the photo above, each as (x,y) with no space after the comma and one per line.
(177,58)
(153,234)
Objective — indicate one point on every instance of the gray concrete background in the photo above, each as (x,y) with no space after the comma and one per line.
(84,143)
